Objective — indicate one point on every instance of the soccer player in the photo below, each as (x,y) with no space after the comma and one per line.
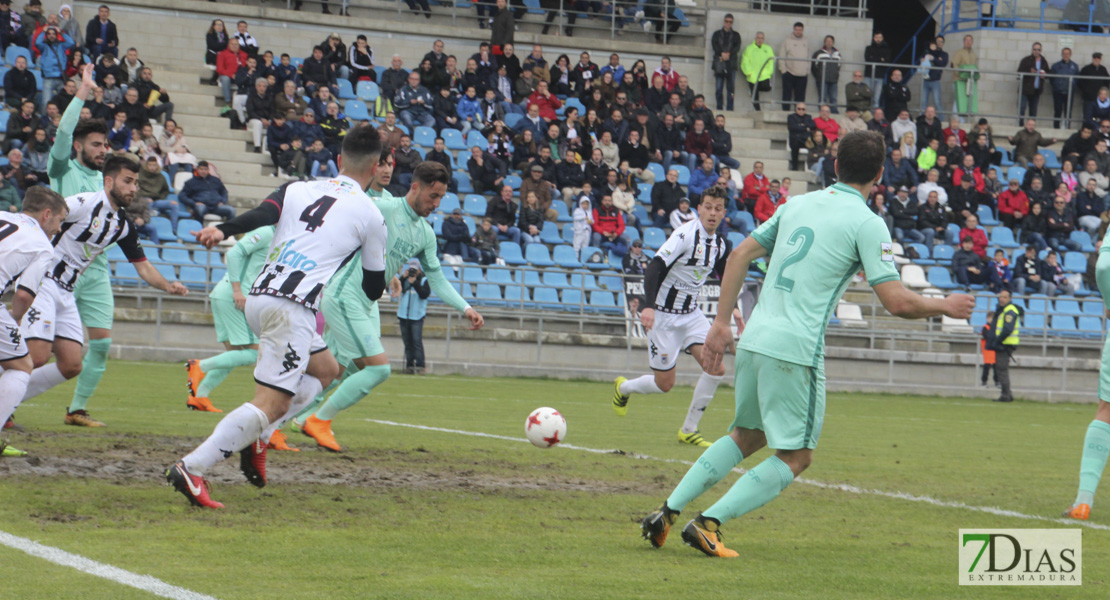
(244,263)
(817,242)
(95,221)
(1096,445)
(353,324)
(319,227)
(672,283)
(25,254)
(87,140)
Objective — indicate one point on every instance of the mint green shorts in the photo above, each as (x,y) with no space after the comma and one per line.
(1104,373)
(231,324)
(784,400)
(352,327)
(95,303)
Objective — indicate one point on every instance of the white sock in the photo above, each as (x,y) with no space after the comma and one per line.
(703,395)
(644,384)
(13,384)
(239,428)
(307,390)
(42,379)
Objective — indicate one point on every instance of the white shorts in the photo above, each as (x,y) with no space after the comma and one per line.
(287,337)
(52,315)
(673,334)
(12,345)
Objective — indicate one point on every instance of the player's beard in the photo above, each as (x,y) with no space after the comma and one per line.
(89,162)
(121,200)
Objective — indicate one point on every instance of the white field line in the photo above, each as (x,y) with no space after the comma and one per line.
(1001,512)
(66,559)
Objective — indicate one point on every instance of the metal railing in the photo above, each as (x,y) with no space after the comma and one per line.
(912,79)
(855,9)
(1079,16)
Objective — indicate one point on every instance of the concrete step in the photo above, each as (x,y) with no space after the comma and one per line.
(249,196)
(211,127)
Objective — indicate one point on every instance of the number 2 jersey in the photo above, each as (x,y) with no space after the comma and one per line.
(816,243)
(322,226)
(690,255)
(25,253)
(91,226)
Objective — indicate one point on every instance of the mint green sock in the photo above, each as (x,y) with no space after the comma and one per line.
(317,401)
(229,360)
(711,467)
(92,369)
(355,388)
(1096,448)
(757,487)
(212,380)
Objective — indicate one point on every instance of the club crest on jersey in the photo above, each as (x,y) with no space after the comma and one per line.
(887,251)
(285,255)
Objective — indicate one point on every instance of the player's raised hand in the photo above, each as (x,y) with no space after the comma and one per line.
(959,306)
(647,318)
(177,289)
(716,342)
(476,319)
(209,236)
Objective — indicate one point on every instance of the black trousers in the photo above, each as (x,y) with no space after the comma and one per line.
(412,334)
(793,90)
(1002,371)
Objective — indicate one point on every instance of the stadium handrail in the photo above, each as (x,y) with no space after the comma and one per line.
(1009,19)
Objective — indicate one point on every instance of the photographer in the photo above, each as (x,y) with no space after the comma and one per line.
(411,309)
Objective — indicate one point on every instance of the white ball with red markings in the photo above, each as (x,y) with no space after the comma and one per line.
(545,427)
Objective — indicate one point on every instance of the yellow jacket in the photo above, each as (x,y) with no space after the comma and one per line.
(756,58)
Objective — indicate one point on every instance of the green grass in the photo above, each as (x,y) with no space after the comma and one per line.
(405,513)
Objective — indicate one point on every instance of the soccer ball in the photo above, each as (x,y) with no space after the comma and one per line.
(545,427)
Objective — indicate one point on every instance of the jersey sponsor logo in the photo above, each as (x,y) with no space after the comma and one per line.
(291,359)
(285,255)
(887,250)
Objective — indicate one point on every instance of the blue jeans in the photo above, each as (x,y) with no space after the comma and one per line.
(670,156)
(332,170)
(1031,102)
(931,89)
(167,208)
(693,161)
(660,221)
(828,94)
(412,334)
(468,253)
(909,235)
(1034,239)
(618,246)
(50,85)
(931,235)
(512,234)
(411,120)
(876,84)
(728,161)
(96,50)
(225,86)
(149,231)
(528,238)
(1063,244)
(726,84)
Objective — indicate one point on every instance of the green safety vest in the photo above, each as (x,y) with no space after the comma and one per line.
(1010,314)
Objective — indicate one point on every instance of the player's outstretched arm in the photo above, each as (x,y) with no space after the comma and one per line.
(906,304)
(720,333)
(154,278)
(265,214)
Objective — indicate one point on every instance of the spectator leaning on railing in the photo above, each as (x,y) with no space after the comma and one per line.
(1063,88)
(1033,69)
(758,66)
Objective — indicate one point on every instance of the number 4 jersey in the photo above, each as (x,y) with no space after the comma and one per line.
(816,244)
(322,225)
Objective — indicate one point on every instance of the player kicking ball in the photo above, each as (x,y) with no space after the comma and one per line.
(353,322)
(25,254)
(1096,445)
(817,242)
(319,227)
(674,323)
(95,221)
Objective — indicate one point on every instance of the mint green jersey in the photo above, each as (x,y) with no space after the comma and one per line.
(410,236)
(816,243)
(244,262)
(67,175)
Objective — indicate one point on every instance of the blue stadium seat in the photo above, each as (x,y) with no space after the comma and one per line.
(513,181)
(1090,326)
(453,139)
(162,226)
(475,138)
(511,254)
(566,257)
(943,253)
(356,110)
(424,136)
(1067,307)
(176,256)
(1037,305)
(471,226)
(568,234)
(1003,237)
(1050,159)
(1063,325)
(1033,323)
(126,274)
(641,214)
(448,203)
(555,279)
(941,278)
(515,297)
(654,237)
(1075,262)
(978,320)
(683,174)
(576,103)
(462,178)
(603,300)
(735,237)
(500,276)
(546,298)
(531,278)
(747,218)
(167,270)
(194,277)
(1006,160)
(512,119)
(613,283)
(658,170)
(1015,172)
(367,91)
(986,216)
(1084,240)
(645,193)
(588,254)
(184,226)
(115,254)
(4,120)
(631,234)
(488,293)
(538,256)
(922,251)
(549,234)
(346,90)
(1093,308)
(561,209)
(436,221)
(583,281)
(474,205)
(14,51)
(472,275)
(573,300)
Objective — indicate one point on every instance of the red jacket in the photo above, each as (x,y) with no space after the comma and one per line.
(608,220)
(765,208)
(829,127)
(960,135)
(228,63)
(980,238)
(699,144)
(670,80)
(1009,203)
(548,106)
(754,188)
(958,176)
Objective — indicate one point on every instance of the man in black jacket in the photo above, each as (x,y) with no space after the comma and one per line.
(569,177)
(100,34)
(393,78)
(931,221)
(147,87)
(502,211)
(260,110)
(439,154)
(664,199)
(457,236)
(21,126)
(722,144)
(486,171)
(877,52)
(670,143)
(1089,88)
(799,127)
(726,56)
(19,84)
(964,200)
(967,267)
(136,112)
(317,72)
(896,96)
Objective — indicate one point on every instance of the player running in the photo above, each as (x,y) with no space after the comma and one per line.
(95,221)
(1096,445)
(320,226)
(672,283)
(25,254)
(353,324)
(817,242)
(244,263)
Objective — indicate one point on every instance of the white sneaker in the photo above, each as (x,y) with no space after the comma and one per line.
(639,16)
(647,26)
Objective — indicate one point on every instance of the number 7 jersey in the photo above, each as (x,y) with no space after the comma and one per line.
(323,224)
(816,244)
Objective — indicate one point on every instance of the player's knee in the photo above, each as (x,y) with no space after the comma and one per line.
(664,384)
(69,369)
(797,460)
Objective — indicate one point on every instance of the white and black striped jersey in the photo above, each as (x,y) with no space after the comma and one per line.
(25,252)
(322,225)
(91,226)
(690,255)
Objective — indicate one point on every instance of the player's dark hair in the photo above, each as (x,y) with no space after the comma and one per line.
(40,198)
(715,191)
(430,173)
(116,163)
(362,146)
(86,126)
(861,157)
